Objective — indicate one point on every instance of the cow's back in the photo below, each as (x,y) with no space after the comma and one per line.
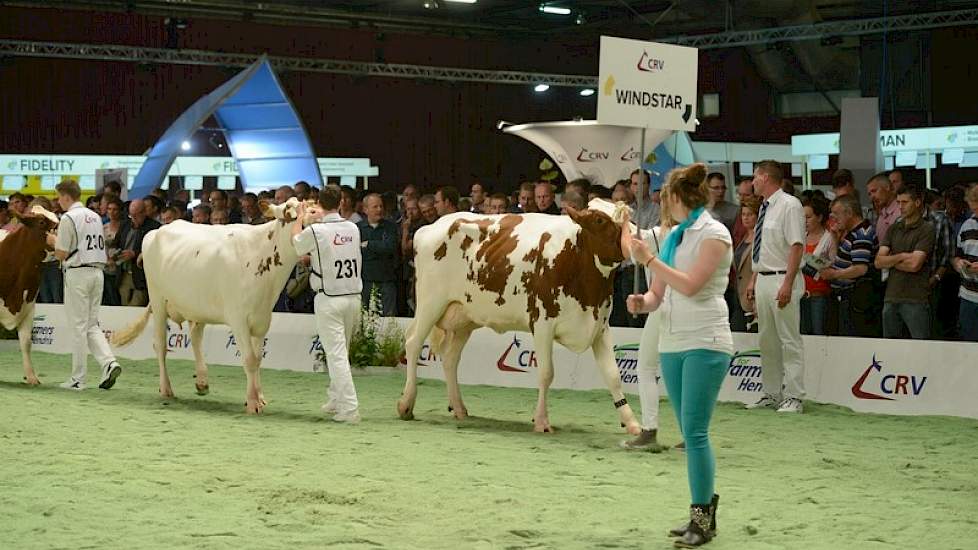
(200,269)
(498,268)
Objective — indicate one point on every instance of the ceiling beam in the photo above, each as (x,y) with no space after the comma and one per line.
(138,54)
(918,21)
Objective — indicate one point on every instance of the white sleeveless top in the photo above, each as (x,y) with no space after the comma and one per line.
(700,321)
(336,260)
(80,233)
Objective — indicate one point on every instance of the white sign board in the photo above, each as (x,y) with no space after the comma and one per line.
(647,84)
(904,377)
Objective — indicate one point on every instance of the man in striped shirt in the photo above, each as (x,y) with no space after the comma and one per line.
(966,263)
(854,309)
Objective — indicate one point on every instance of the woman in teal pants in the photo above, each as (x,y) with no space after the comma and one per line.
(695,343)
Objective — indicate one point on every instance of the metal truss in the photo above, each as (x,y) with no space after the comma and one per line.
(824,30)
(136,54)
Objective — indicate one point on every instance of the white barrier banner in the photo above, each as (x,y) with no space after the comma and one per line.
(902,377)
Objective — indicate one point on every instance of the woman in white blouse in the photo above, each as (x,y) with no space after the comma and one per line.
(695,344)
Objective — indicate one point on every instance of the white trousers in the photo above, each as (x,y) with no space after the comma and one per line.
(779,334)
(336,318)
(648,372)
(83,295)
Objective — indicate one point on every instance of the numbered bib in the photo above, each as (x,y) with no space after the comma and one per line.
(90,240)
(338,257)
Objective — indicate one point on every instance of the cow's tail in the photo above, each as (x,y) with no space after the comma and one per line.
(125,336)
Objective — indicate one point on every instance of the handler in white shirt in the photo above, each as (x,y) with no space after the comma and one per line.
(80,245)
(334,245)
(777,289)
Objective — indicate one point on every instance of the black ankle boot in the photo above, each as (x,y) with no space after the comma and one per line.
(699,532)
(681,530)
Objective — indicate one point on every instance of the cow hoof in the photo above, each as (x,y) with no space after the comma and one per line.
(203,390)
(253,408)
(32,381)
(543,428)
(634,429)
(404,412)
(461,414)
(166,394)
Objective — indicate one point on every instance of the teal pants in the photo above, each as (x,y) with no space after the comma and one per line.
(693,380)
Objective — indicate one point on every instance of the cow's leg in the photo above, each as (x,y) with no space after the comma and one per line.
(24,330)
(456,340)
(543,338)
(159,320)
(424,319)
(200,367)
(242,336)
(605,358)
(258,344)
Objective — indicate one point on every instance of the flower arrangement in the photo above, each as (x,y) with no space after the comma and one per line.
(377,340)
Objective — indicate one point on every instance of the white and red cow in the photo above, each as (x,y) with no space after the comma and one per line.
(217,274)
(549,275)
(21,254)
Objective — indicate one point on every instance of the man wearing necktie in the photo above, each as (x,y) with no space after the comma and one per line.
(779,239)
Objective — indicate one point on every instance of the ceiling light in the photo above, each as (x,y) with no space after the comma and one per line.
(541,87)
(579,20)
(430,4)
(587,91)
(554,9)
(185,145)
(463,1)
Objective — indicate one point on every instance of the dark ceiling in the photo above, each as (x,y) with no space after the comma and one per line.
(515,18)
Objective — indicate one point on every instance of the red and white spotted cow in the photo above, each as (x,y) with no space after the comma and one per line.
(548,275)
(217,274)
(21,254)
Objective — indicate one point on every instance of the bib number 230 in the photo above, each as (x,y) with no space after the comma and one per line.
(346,269)
(95,242)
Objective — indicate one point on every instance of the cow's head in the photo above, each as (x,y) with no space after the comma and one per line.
(38,220)
(599,233)
(285,213)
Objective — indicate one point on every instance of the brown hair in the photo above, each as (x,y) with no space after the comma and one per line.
(972,193)
(68,187)
(751,202)
(689,185)
(329,197)
(772,168)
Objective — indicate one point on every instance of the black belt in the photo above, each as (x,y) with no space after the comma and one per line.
(772,272)
(96,266)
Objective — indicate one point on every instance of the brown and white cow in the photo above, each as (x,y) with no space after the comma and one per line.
(548,275)
(21,254)
(217,274)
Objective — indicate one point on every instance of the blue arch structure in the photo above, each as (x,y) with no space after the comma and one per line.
(264,134)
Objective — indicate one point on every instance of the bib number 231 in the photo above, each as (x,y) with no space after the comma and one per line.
(346,269)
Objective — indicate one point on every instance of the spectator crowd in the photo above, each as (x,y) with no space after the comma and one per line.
(901,264)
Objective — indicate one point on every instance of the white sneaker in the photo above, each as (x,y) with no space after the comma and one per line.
(352,417)
(790,405)
(109,374)
(72,384)
(767,401)
(329,407)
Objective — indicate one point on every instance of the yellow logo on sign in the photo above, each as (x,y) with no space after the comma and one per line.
(609,85)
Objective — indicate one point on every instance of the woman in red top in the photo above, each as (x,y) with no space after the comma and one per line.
(820,243)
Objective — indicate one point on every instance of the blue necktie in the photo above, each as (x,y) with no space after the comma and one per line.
(758,231)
